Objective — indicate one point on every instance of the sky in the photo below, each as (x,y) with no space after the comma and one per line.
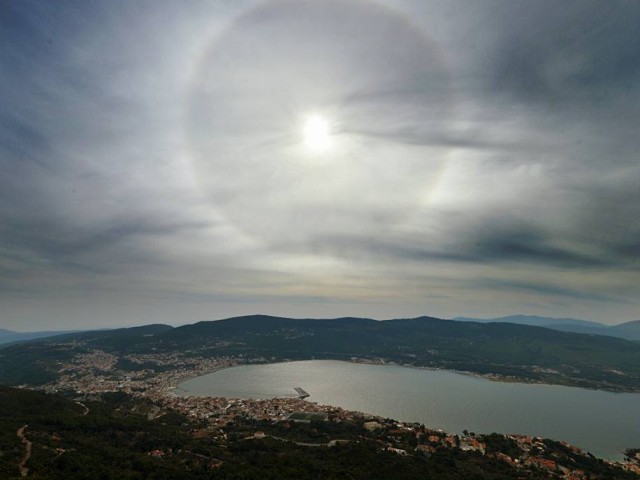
(175,161)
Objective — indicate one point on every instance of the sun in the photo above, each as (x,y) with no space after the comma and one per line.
(316,133)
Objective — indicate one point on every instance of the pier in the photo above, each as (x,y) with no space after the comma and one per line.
(301,392)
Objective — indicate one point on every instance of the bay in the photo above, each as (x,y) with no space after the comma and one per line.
(602,423)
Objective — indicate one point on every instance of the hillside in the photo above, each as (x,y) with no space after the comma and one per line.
(8,336)
(535,321)
(114,437)
(628,330)
(501,350)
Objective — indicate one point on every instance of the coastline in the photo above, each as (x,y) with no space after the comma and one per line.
(493,377)
(615,455)
(174,385)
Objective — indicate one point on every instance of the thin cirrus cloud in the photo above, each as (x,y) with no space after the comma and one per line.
(483,160)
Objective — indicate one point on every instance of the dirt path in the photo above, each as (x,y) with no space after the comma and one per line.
(27,451)
(86,409)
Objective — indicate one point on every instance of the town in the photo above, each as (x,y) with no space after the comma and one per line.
(154,378)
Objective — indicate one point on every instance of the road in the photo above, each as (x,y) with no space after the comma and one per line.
(22,466)
(86,409)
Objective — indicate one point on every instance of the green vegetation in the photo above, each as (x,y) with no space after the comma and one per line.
(114,440)
(508,351)
(34,363)
(307,417)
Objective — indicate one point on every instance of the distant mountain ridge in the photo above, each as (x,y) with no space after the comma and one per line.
(627,330)
(496,349)
(8,336)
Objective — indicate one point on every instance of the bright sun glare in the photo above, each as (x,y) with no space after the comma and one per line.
(317,133)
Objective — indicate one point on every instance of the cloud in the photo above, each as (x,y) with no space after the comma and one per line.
(550,290)
(152,158)
(577,52)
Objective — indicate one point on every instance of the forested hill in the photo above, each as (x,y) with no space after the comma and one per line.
(627,330)
(113,437)
(509,351)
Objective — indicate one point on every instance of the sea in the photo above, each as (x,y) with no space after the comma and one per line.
(602,423)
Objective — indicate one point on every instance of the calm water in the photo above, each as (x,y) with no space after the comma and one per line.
(600,422)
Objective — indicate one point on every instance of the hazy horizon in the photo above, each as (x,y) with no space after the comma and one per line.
(378,319)
(171,162)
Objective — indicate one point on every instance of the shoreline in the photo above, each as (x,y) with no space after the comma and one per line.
(175,384)
(616,456)
(492,377)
